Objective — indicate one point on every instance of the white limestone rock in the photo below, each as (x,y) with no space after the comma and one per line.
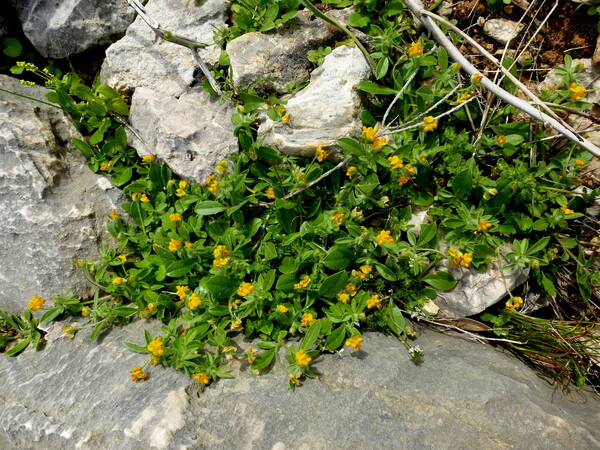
(502,30)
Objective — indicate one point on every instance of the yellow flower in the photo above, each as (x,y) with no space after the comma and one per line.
(302,284)
(307,320)
(578,91)
(245,289)
(194,301)
(354,342)
(351,289)
(374,302)
(282,309)
(423,157)
(343,297)
(579,163)
(466,259)
(183,184)
(410,169)
(138,374)
(501,140)
(403,180)
(174,245)
(155,361)
(123,258)
(456,67)
(366,269)
(114,215)
(222,167)
(36,303)
(369,133)
(85,311)
(483,225)
(221,255)
(188,244)
(180,192)
(350,172)
(566,210)
(271,193)
(214,187)
(155,347)
(378,143)
(181,292)
(338,218)
(175,217)
(302,359)
(415,49)
(514,303)
(463,98)
(202,378)
(118,280)
(476,78)
(458,258)
(396,162)
(384,237)
(104,166)
(148,158)
(144,199)
(321,154)
(430,123)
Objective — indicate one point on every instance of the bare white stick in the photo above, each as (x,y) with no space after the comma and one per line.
(559,125)
(176,39)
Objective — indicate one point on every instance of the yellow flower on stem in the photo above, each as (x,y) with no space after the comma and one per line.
(302,284)
(350,172)
(144,198)
(374,302)
(302,359)
(194,301)
(579,162)
(271,193)
(578,92)
(430,123)
(384,237)
(174,245)
(354,342)
(351,289)
(338,218)
(514,303)
(483,225)
(415,49)
(182,292)
(222,167)
(114,215)
(148,159)
(118,280)
(369,133)
(155,347)
(221,255)
(378,143)
(403,180)
(138,374)
(183,184)
(36,303)
(122,258)
(282,309)
(343,296)
(566,210)
(245,289)
(476,78)
(180,192)
(396,162)
(188,245)
(463,98)
(307,320)
(175,217)
(321,154)
(202,378)
(501,140)
(459,259)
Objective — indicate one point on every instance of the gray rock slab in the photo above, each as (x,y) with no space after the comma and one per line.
(53,207)
(275,59)
(502,30)
(77,394)
(61,28)
(140,59)
(324,111)
(190,134)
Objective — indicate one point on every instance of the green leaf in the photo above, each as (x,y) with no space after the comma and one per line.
(122,176)
(333,284)
(268,153)
(51,314)
(335,339)
(179,268)
(83,147)
(135,348)
(382,68)
(338,258)
(19,347)
(97,330)
(209,207)
(441,280)
(251,101)
(462,183)
(357,20)
(373,88)
(386,272)
(138,214)
(538,246)
(286,282)
(395,319)
(160,175)
(311,336)
(220,287)
(264,359)
(12,47)
(428,233)
(352,146)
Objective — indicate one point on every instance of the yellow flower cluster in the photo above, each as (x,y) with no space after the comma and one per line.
(415,49)
(354,342)
(182,292)
(490,193)
(396,162)
(155,347)
(36,303)
(501,140)
(370,135)
(202,378)
(174,245)
(578,92)
(579,163)
(282,309)
(118,280)
(245,289)
(483,225)
(459,259)
(307,320)
(351,171)
(175,217)
(271,193)
(213,184)
(514,303)
(363,272)
(430,123)
(338,218)
(138,374)
(384,237)
(305,282)
(114,215)
(374,302)
(321,154)
(349,291)
(221,255)
(181,190)
(194,301)
(302,359)
(463,98)
(566,210)
(148,159)
(222,167)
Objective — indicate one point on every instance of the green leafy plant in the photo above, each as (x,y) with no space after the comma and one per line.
(317,56)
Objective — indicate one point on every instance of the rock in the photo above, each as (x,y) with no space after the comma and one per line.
(327,109)
(61,28)
(446,9)
(54,207)
(190,134)
(141,59)
(84,398)
(276,59)
(588,77)
(596,55)
(477,291)
(502,30)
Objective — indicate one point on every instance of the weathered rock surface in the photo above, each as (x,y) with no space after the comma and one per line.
(53,207)
(464,395)
(324,111)
(588,77)
(280,57)
(61,28)
(140,59)
(190,134)
(502,30)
